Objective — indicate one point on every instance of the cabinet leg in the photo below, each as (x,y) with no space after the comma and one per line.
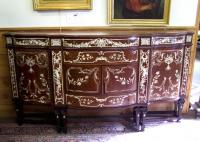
(136,124)
(64,121)
(140,113)
(61,119)
(58,121)
(19,110)
(179,108)
(143,112)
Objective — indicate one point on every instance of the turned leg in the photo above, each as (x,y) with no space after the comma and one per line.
(19,110)
(179,108)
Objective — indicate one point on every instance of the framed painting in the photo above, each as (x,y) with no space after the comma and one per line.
(61,4)
(139,12)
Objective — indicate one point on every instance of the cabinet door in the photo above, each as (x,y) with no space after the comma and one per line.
(33,76)
(119,79)
(120,84)
(82,79)
(166,70)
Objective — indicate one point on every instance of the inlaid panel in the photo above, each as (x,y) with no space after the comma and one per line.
(185,70)
(143,83)
(33,76)
(101,101)
(101,42)
(165,74)
(91,57)
(82,79)
(119,78)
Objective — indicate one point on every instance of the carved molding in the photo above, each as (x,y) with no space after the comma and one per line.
(57,77)
(95,102)
(100,42)
(32,41)
(143,75)
(107,56)
(168,40)
(13,72)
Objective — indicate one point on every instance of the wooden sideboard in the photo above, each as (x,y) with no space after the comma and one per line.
(98,70)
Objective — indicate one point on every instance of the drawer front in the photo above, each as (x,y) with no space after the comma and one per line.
(101,101)
(82,79)
(125,42)
(118,79)
(166,70)
(33,76)
(100,57)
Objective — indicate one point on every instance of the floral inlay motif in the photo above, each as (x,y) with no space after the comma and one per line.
(168,40)
(55,42)
(24,58)
(12,72)
(78,77)
(33,76)
(166,74)
(100,42)
(166,87)
(107,56)
(95,102)
(31,41)
(145,41)
(38,90)
(119,75)
(57,77)
(186,66)
(143,75)
(167,57)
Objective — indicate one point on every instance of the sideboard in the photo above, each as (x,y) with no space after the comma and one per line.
(98,70)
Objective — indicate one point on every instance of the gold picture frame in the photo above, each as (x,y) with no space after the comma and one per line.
(129,12)
(62,4)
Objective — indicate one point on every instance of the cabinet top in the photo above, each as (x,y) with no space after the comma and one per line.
(96,33)
(77,39)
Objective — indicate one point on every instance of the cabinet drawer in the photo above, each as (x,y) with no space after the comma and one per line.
(102,101)
(100,57)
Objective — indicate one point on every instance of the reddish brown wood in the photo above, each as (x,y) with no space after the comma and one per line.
(99,70)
